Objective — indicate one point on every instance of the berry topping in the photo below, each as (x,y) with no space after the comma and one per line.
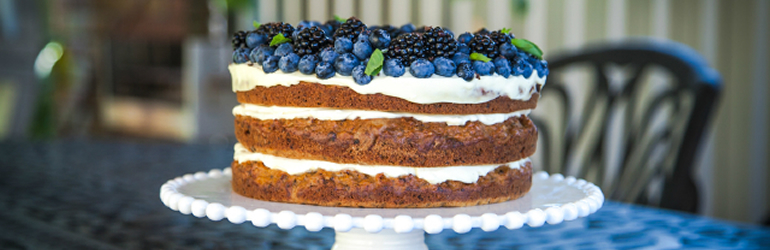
(407,47)
(273,29)
(330,27)
(263,52)
(444,67)
(310,41)
(241,55)
(439,42)
(522,68)
(393,67)
(289,63)
(484,68)
(350,29)
(254,39)
(407,28)
(465,71)
(484,45)
(508,50)
(499,37)
(324,70)
(239,39)
(465,38)
(270,64)
(362,49)
(344,64)
(284,49)
(328,55)
(360,76)
(307,64)
(502,67)
(459,58)
(380,39)
(421,68)
(343,45)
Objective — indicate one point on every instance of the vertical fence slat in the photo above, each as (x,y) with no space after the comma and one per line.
(317,10)
(461,16)
(536,23)
(291,11)
(268,11)
(498,14)
(574,23)
(431,12)
(616,19)
(400,12)
(371,12)
(343,8)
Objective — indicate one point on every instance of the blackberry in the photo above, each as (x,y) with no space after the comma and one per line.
(439,43)
(483,44)
(330,27)
(239,39)
(310,41)
(273,29)
(482,31)
(350,29)
(407,47)
(499,37)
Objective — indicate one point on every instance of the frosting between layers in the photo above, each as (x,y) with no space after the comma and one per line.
(276,112)
(433,175)
(435,89)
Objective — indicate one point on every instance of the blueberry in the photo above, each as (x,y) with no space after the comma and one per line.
(307,64)
(484,68)
(463,48)
(253,55)
(508,50)
(393,67)
(421,68)
(255,39)
(522,68)
(465,38)
(328,55)
(263,52)
(444,67)
(465,71)
(295,34)
(289,63)
(324,70)
(502,67)
(542,68)
(407,28)
(344,64)
(362,49)
(303,24)
(364,35)
(379,39)
(270,64)
(360,76)
(343,45)
(459,58)
(284,49)
(328,29)
(241,55)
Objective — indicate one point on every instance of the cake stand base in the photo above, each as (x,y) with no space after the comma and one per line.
(552,199)
(387,239)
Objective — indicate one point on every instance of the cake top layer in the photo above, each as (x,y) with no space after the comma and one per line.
(351,48)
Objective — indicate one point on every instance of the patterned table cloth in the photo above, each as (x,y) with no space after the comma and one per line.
(104,195)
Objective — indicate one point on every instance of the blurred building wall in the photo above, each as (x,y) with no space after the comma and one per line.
(731,35)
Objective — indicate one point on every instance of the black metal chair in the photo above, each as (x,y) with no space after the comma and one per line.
(636,137)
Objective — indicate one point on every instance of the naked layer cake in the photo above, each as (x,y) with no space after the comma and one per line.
(343,114)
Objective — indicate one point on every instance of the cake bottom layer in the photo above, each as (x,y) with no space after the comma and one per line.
(350,188)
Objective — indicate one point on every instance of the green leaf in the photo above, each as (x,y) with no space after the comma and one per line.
(256,24)
(505,31)
(279,39)
(375,63)
(479,57)
(339,19)
(528,47)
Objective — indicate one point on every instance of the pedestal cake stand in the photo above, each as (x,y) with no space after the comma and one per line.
(552,199)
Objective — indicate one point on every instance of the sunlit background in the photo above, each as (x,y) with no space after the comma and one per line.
(155,70)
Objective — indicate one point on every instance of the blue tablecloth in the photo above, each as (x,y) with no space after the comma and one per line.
(104,195)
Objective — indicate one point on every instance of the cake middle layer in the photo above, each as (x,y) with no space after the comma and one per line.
(402,141)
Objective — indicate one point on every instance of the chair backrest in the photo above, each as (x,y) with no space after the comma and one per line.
(636,137)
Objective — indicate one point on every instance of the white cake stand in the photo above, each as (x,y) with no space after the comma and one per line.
(552,199)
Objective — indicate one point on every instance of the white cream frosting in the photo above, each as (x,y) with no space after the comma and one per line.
(276,112)
(433,175)
(435,89)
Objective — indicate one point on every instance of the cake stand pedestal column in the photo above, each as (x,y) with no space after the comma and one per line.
(387,239)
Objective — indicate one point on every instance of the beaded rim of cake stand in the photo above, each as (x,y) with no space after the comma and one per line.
(432,224)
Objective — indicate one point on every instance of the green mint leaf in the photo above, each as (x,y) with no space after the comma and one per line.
(528,47)
(375,63)
(279,39)
(256,24)
(505,31)
(339,19)
(479,57)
